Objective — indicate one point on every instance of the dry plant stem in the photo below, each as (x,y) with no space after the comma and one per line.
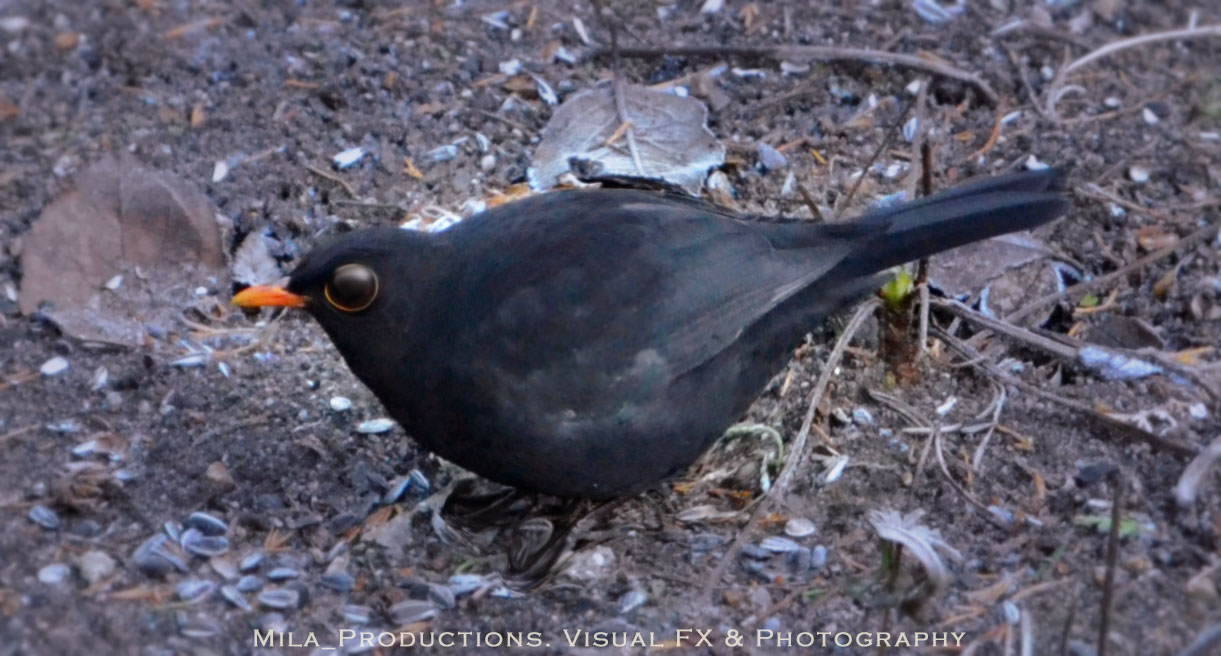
(960,490)
(620,101)
(333,178)
(797,451)
(890,135)
(1111,424)
(1102,281)
(823,53)
(1067,630)
(998,404)
(1108,588)
(1054,90)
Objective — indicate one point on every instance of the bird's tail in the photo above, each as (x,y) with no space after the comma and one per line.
(958,216)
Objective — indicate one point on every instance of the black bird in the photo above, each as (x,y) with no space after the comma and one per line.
(592,342)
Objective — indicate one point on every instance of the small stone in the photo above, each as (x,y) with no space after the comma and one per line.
(95,566)
(54,574)
(1150,116)
(1138,174)
(799,527)
(218,474)
(54,366)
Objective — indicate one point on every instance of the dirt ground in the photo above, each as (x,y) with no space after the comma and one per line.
(182,84)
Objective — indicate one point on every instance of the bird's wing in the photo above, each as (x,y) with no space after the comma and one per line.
(615,293)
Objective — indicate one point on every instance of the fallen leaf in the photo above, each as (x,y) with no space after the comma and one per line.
(673,142)
(152,228)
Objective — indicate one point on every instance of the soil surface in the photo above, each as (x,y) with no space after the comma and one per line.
(91,469)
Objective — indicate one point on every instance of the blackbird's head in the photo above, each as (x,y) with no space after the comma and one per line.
(357,287)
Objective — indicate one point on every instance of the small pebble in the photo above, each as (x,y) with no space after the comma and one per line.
(95,566)
(249,583)
(341,403)
(44,517)
(799,527)
(54,573)
(1138,174)
(1150,116)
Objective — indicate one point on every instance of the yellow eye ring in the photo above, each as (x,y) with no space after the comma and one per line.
(352,288)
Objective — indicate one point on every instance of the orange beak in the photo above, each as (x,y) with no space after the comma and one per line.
(267,296)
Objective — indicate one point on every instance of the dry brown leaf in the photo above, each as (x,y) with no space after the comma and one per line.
(150,235)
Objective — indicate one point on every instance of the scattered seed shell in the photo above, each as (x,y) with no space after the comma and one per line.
(799,527)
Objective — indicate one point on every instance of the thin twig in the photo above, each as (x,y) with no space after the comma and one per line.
(333,178)
(1108,588)
(823,53)
(1055,88)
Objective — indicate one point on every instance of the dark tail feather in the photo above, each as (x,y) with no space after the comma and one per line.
(959,216)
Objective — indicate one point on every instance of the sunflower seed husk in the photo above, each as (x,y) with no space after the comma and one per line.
(207,524)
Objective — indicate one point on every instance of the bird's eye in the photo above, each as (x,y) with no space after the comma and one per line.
(352,288)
